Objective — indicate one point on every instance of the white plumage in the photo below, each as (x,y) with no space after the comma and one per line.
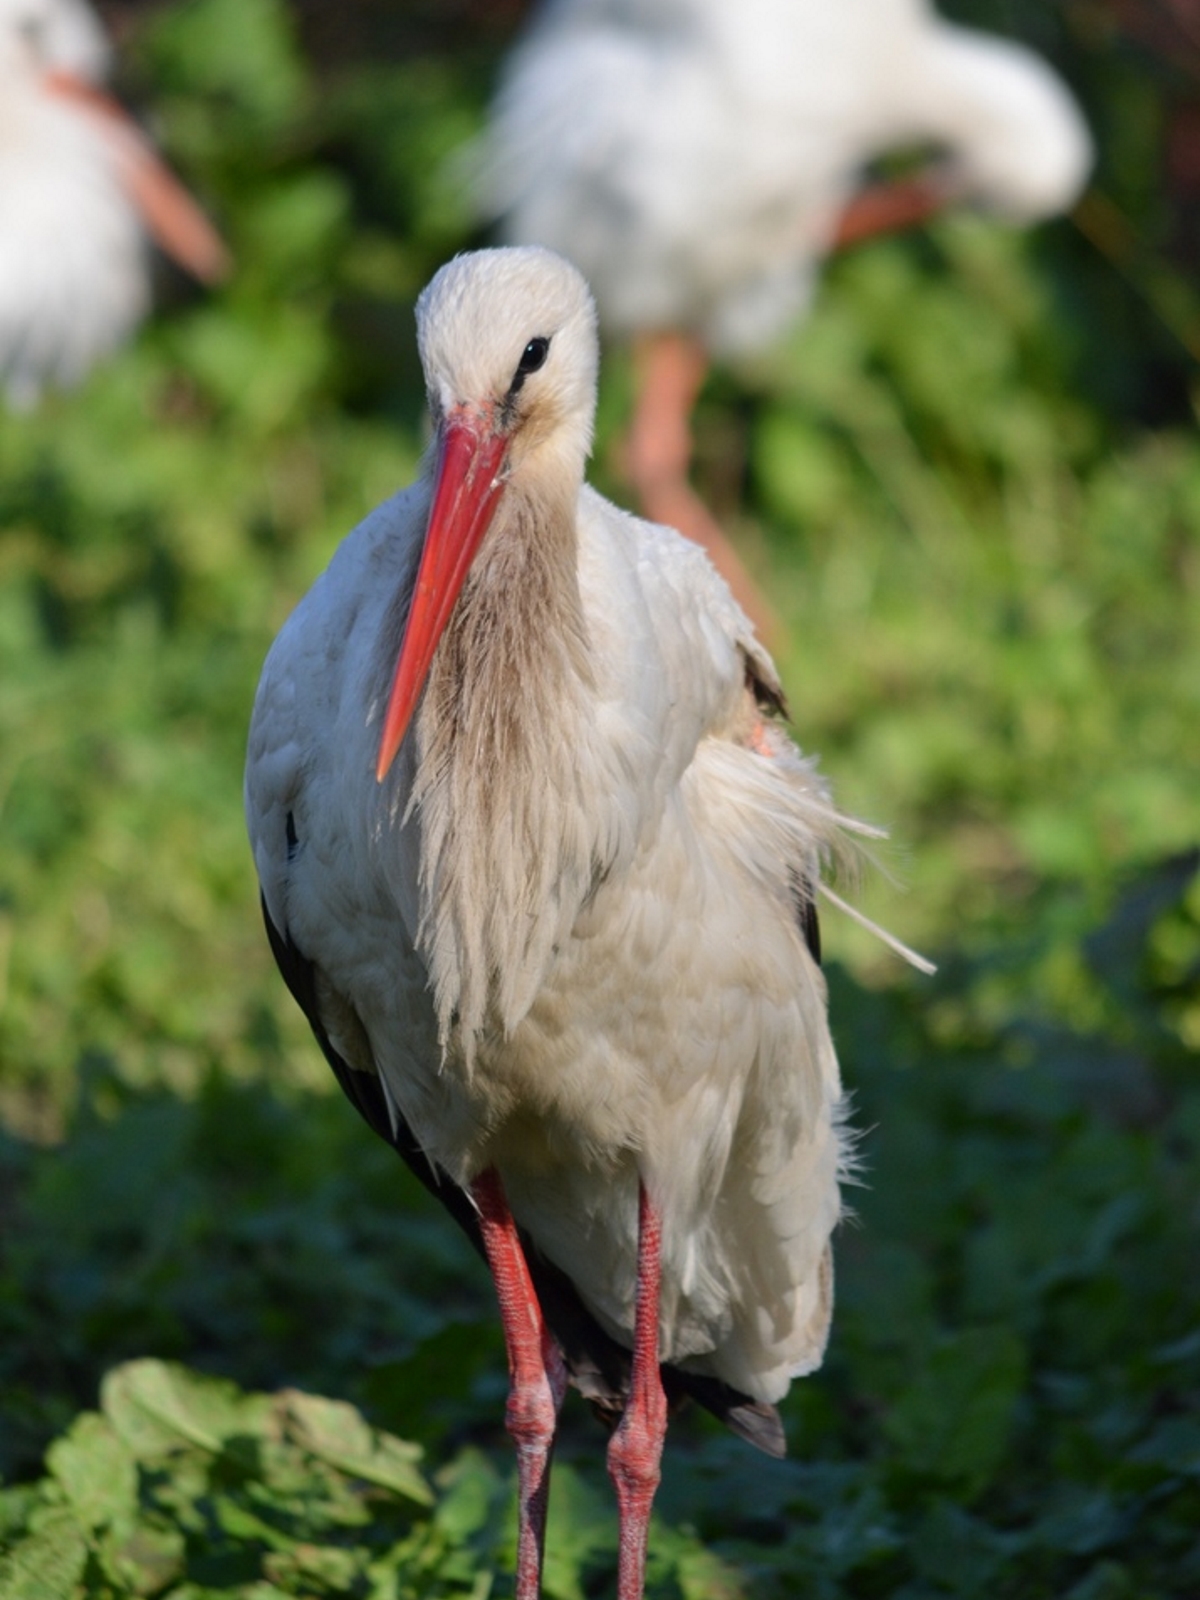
(568,939)
(694,158)
(81,193)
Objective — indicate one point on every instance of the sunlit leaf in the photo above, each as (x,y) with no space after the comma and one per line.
(97,1472)
(156,1406)
(46,1564)
(339,1434)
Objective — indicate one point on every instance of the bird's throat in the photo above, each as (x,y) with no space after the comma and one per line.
(501,735)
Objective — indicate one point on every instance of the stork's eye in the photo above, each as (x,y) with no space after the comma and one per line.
(533,356)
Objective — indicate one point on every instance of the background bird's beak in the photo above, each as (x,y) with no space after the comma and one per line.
(467,489)
(169,214)
(894,205)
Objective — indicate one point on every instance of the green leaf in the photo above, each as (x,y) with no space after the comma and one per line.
(953,1421)
(699,1573)
(303,1567)
(241,50)
(470,1492)
(96,1471)
(157,1406)
(958,1552)
(1174,1445)
(580,1527)
(339,1434)
(243,1525)
(48,1562)
(17,1505)
(1108,1580)
(263,366)
(146,1559)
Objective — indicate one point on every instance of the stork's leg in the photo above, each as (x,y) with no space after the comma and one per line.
(669,369)
(537,1376)
(635,1449)
(669,372)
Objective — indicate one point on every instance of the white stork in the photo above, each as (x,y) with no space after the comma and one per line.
(540,864)
(697,159)
(81,194)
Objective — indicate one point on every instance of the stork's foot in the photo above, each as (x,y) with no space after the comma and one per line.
(537,1377)
(635,1449)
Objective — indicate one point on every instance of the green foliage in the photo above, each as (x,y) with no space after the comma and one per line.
(1020,725)
(973,483)
(186,1487)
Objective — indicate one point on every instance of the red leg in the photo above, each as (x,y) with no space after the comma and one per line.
(670,369)
(537,1376)
(669,372)
(635,1449)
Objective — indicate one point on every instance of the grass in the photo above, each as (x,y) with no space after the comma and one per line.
(973,483)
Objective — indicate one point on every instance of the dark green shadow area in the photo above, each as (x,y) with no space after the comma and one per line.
(1009,1397)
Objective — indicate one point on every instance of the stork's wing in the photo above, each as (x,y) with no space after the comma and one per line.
(597,1364)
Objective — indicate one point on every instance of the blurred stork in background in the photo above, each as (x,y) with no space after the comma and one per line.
(82,192)
(697,160)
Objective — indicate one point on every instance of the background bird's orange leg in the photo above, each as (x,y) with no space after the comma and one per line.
(635,1449)
(669,370)
(537,1376)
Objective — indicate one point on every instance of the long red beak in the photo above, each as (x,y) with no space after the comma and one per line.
(466,491)
(892,207)
(171,217)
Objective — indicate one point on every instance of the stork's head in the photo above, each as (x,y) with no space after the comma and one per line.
(53,36)
(509,346)
(1019,142)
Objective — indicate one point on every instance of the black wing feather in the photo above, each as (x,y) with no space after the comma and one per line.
(771,703)
(805,899)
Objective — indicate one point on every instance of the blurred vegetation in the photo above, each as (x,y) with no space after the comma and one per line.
(972,480)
